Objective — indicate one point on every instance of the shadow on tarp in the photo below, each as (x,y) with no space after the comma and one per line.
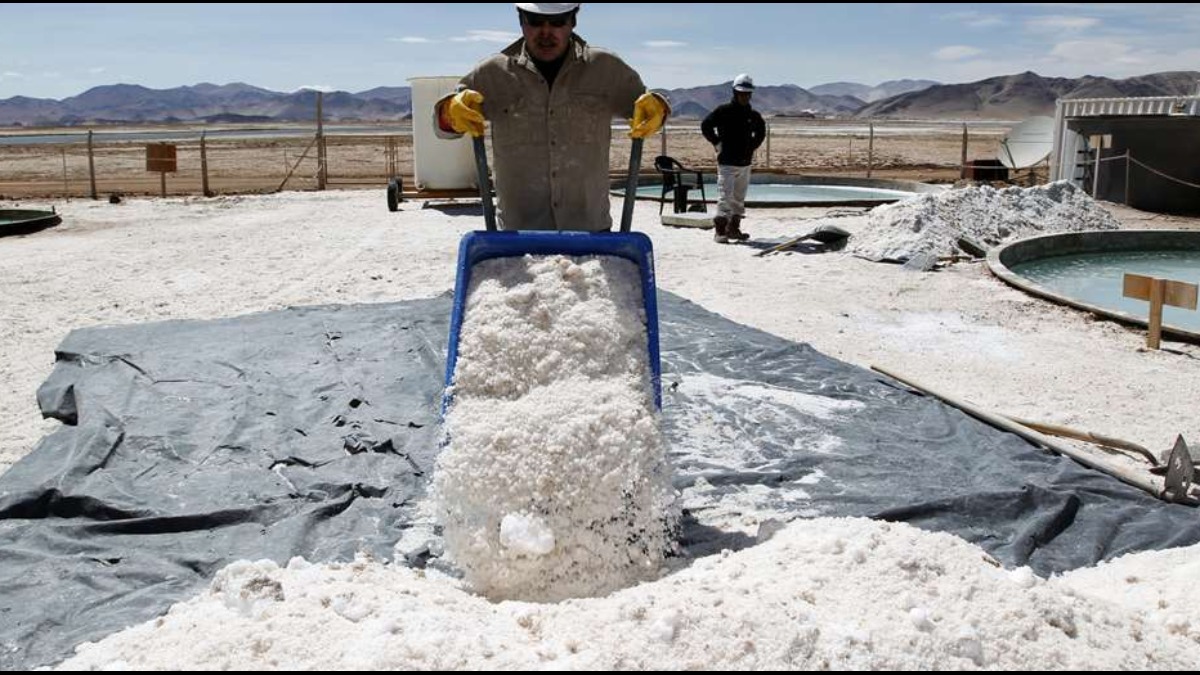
(312,432)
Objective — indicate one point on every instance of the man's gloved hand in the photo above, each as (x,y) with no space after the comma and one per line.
(649,113)
(465,112)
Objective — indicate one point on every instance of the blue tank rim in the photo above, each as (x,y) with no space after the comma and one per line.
(1001,260)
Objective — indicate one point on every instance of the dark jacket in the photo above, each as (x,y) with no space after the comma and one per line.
(739,129)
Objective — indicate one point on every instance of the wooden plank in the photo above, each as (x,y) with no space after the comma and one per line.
(1179,294)
(1137,286)
(1175,293)
(1154,336)
(1088,436)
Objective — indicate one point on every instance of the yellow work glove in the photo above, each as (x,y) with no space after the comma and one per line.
(465,111)
(649,113)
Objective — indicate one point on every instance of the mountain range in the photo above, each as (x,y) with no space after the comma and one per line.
(869,94)
(1019,96)
(1005,97)
(204,102)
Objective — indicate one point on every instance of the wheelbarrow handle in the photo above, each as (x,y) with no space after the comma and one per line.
(485,185)
(635,164)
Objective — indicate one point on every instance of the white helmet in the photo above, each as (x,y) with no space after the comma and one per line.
(548,8)
(743,82)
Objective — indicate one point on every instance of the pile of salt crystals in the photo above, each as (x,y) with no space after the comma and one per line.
(932,224)
(553,482)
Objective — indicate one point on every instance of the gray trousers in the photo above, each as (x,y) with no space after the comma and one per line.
(732,183)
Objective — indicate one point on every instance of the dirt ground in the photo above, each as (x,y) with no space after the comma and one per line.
(923,151)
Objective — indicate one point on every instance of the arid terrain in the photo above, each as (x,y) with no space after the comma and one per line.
(924,151)
(899,598)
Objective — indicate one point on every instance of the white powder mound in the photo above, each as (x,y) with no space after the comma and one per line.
(1161,585)
(554,481)
(536,320)
(820,594)
(932,223)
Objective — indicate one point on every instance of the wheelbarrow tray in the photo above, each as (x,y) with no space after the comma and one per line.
(477,246)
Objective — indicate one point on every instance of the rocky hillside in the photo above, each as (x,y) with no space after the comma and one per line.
(1022,95)
(1006,97)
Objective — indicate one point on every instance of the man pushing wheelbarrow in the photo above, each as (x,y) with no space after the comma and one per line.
(551,98)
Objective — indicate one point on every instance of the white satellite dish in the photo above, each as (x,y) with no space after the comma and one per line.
(1027,143)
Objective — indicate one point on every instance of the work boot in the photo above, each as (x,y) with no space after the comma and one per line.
(721,223)
(734,231)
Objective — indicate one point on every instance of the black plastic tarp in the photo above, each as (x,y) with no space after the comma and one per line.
(312,432)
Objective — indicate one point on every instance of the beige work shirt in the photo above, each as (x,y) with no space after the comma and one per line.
(550,146)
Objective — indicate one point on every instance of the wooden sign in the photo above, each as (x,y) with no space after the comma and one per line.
(1175,293)
(1159,292)
(160,158)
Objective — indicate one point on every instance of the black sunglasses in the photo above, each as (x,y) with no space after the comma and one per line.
(534,21)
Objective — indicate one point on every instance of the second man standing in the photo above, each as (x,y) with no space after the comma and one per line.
(736,130)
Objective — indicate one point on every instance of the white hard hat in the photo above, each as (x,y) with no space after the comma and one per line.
(743,82)
(548,8)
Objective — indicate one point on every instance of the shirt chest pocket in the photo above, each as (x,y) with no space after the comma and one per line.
(520,122)
(589,116)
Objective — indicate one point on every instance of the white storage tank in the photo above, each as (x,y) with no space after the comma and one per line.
(438,163)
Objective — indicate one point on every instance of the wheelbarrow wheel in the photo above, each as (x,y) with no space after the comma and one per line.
(394,196)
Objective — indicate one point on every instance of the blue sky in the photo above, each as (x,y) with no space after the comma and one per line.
(60,50)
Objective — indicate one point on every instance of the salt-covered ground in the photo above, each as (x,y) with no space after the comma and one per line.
(821,593)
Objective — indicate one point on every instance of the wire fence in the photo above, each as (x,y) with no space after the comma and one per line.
(261,164)
(235,166)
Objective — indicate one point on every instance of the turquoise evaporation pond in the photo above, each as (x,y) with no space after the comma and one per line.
(783,192)
(1098,279)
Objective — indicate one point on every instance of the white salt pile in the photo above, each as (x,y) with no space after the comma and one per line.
(820,594)
(554,481)
(933,223)
(1161,585)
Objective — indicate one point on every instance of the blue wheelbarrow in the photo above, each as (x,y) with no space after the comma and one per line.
(479,246)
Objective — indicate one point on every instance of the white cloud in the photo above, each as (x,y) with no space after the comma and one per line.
(977,19)
(96,70)
(1060,24)
(1120,60)
(412,39)
(314,87)
(11,75)
(956,53)
(499,36)
(664,44)
(1066,59)
(673,68)
(1095,51)
(985,22)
